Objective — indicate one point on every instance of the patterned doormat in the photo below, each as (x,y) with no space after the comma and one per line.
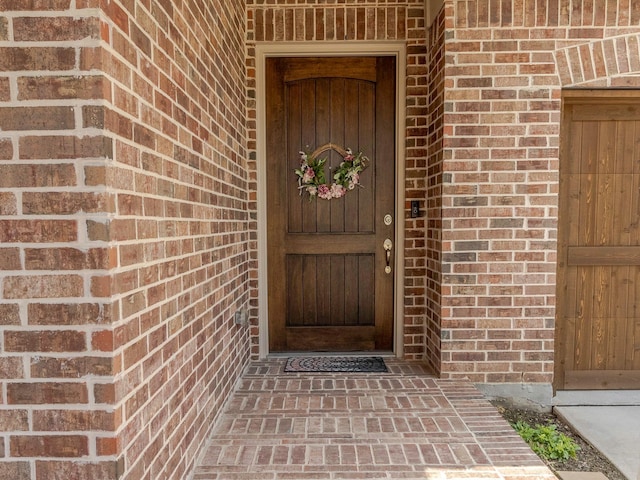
(335,364)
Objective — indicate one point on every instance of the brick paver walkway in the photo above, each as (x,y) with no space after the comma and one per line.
(405,424)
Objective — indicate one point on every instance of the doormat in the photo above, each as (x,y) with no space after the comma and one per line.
(335,364)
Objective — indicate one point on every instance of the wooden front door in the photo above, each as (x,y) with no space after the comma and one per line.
(598,330)
(327,285)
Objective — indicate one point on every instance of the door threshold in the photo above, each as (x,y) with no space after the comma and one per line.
(383,353)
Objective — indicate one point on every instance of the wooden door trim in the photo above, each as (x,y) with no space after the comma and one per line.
(329,49)
(600,379)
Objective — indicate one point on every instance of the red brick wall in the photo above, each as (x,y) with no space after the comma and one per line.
(123,223)
(354,20)
(52,303)
(506,63)
(435,161)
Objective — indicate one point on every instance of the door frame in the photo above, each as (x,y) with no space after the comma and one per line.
(330,49)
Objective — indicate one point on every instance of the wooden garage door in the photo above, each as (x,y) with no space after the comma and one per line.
(598,329)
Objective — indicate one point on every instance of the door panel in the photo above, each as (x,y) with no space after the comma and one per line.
(328,290)
(343,294)
(599,242)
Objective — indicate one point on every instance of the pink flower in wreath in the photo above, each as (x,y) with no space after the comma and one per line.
(324,191)
(349,156)
(308,175)
(312,190)
(337,191)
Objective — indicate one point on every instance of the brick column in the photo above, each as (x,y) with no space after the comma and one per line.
(123,231)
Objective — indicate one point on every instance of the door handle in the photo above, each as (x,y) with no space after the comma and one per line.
(387,245)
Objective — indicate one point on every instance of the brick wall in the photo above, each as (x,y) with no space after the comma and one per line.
(435,160)
(354,20)
(505,65)
(128,205)
(52,304)
(123,224)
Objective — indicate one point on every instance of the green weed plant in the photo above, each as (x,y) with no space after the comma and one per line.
(546,441)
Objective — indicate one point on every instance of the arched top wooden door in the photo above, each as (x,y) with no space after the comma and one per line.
(329,289)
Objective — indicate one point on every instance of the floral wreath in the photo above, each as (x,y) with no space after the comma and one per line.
(311,174)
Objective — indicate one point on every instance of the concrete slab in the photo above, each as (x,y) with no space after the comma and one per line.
(581,476)
(596,397)
(614,430)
